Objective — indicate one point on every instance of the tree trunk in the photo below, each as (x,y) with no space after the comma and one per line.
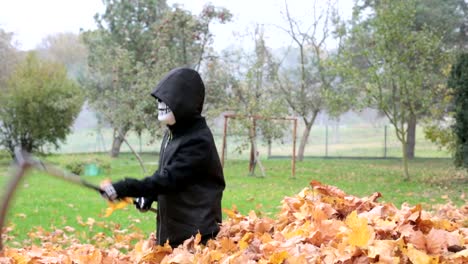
(269,148)
(136,155)
(304,139)
(405,161)
(26,144)
(411,137)
(256,159)
(119,136)
(252,158)
(252,148)
(336,131)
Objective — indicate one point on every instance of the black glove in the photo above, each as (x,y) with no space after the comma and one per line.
(108,192)
(143,204)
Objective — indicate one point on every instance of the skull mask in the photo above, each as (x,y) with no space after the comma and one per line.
(165,114)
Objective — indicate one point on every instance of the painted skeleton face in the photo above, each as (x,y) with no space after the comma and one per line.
(165,114)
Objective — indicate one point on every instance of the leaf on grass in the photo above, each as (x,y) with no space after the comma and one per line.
(21,215)
(69,229)
(233,213)
(327,189)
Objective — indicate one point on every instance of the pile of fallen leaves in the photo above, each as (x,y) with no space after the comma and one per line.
(321,224)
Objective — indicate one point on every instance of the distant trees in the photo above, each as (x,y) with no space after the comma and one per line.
(446,19)
(8,56)
(397,53)
(67,49)
(135,45)
(401,69)
(38,105)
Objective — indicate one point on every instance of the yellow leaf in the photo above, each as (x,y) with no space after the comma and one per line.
(419,257)
(233,213)
(215,256)
(244,242)
(360,233)
(197,239)
(278,257)
(112,206)
(444,224)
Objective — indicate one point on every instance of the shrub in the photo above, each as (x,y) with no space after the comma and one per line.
(38,105)
(78,164)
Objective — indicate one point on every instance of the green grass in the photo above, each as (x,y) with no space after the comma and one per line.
(44,201)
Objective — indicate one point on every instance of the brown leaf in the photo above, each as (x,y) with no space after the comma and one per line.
(436,242)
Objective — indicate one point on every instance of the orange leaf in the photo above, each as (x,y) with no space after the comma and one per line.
(327,189)
(227,245)
(157,255)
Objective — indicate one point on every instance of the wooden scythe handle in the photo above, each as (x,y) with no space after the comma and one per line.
(10,190)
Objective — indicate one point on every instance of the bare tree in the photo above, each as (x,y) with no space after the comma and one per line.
(306,87)
(65,48)
(8,56)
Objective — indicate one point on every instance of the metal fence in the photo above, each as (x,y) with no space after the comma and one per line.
(352,135)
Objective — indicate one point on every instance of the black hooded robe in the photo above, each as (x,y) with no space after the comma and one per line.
(189,183)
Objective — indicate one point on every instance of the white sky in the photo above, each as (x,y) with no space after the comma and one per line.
(33,20)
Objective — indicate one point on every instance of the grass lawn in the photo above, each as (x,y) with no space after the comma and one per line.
(44,202)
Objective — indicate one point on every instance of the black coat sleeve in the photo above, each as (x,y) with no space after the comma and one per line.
(182,169)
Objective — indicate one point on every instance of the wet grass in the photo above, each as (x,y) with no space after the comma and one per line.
(44,201)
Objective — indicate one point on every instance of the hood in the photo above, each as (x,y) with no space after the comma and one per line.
(182,89)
